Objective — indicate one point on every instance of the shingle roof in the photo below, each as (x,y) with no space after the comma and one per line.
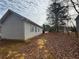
(11,12)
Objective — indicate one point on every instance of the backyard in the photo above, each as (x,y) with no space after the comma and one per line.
(46,46)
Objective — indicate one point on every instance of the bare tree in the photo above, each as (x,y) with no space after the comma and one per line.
(74,5)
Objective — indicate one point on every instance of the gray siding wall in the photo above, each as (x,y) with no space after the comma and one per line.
(77,24)
(29,33)
(13,28)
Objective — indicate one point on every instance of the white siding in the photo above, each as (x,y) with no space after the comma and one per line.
(13,28)
(29,33)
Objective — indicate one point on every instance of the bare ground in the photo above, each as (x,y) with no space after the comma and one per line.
(47,46)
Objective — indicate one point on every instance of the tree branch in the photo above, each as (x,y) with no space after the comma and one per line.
(74,6)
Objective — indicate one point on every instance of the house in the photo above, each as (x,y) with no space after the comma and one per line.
(17,27)
(77,23)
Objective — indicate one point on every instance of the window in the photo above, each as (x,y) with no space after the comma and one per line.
(35,29)
(32,28)
(38,29)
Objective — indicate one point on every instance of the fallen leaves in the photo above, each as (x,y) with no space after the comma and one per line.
(36,49)
(41,43)
(15,54)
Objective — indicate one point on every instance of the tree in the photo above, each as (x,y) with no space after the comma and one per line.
(74,5)
(57,14)
(46,27)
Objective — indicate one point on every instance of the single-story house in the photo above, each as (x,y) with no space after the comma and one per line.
(17,27)
(77,23)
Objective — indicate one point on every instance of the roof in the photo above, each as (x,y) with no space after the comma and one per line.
(77,18)
(9,12)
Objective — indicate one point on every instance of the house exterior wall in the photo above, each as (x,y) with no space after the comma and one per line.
(13,28)
(28,30)
(77,25)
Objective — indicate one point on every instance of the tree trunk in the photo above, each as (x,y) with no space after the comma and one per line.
(56,23)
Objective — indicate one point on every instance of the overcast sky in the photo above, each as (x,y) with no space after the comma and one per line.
(35,10)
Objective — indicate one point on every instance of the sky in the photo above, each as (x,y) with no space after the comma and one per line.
(35,10)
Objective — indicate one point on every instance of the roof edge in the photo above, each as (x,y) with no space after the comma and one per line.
(9,12)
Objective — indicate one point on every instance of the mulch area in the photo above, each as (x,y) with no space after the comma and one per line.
(47,46)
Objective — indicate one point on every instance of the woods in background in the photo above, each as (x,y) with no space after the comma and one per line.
(58,16)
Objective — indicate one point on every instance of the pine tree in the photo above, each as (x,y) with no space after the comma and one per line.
(57,14)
